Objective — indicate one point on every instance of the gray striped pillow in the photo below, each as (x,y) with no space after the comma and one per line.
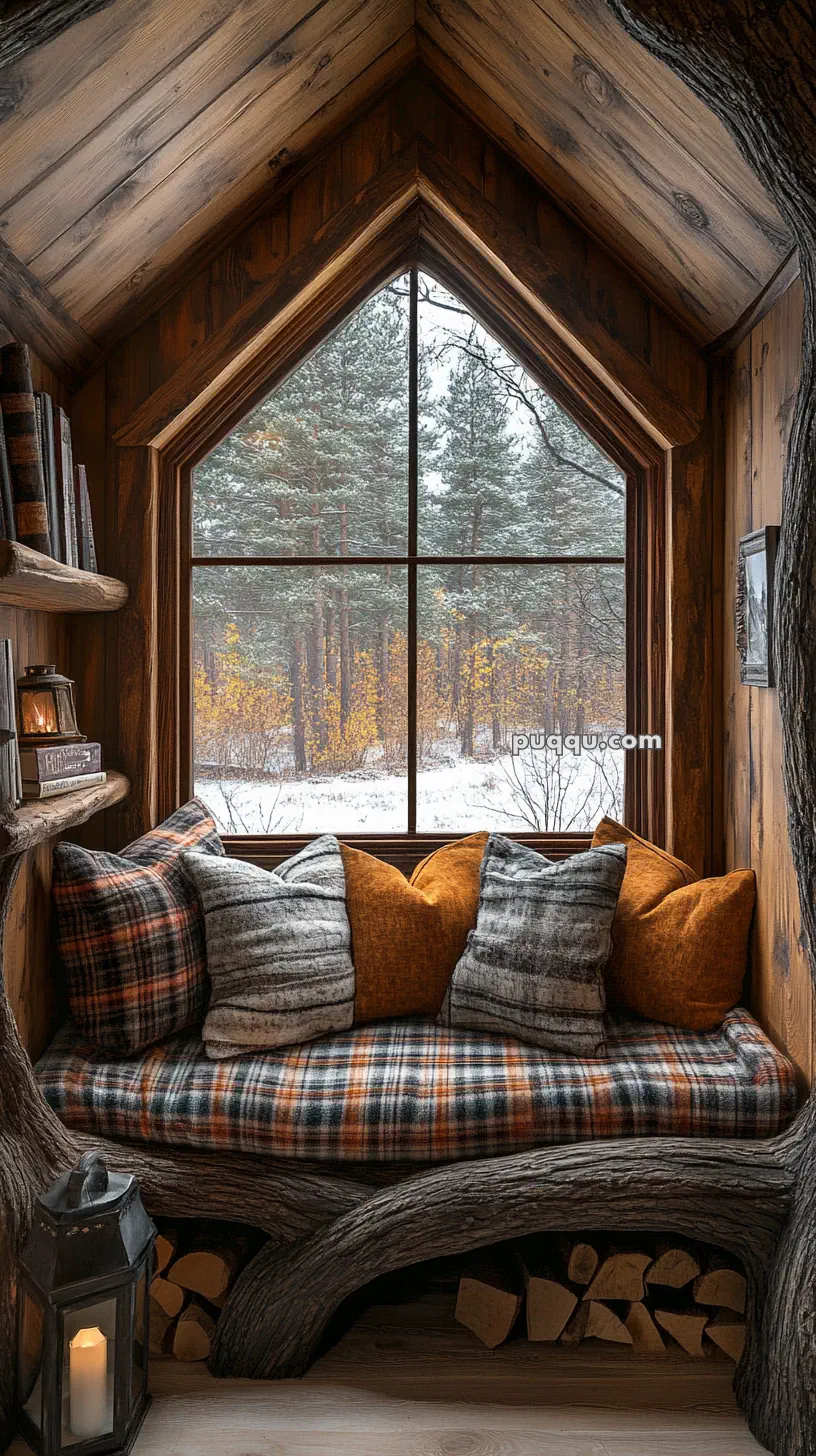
(533,966)
(278,949)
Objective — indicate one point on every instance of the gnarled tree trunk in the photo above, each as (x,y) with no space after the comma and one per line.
(753,62)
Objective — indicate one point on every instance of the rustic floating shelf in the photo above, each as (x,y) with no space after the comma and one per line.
(41,819)
(29,579)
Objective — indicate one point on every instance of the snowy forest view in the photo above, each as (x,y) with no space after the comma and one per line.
(300,671)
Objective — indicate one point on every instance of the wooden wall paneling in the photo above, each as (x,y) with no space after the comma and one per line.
(129,552)
(246,124)
(368,213)
(691,238)
(621,355)
(86,634)
(130,301)
(211,63)
(782,986)
(31,313)
(690,627)
(28,27)
(738,518)
(35,637)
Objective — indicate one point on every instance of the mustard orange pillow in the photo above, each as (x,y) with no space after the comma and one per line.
(407,935)
(679,943)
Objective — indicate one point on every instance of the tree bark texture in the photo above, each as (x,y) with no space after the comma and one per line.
(753,62)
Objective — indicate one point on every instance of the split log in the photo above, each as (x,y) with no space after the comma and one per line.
(620,1276)
(593,1320)
(727,1330)
(580,1259)
(165,1249)
(489,1300)
(549,1300)
(205,1271)
(675,1265)
(194,1333)
(170,1297)
(646,1337)
(722,1284)
(161,1330)
(684,1327)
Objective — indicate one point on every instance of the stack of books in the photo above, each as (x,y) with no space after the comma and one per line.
(60,768)
(44,501)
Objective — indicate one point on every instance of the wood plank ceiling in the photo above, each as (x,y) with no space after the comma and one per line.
(137,133)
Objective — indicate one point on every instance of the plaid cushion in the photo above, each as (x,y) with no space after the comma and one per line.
(128,932)
(414,1091)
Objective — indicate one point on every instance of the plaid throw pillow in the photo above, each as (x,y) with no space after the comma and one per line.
(533,966)
(130,936)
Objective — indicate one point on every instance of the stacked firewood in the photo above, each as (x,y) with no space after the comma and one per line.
(646,1294)
(192,1277)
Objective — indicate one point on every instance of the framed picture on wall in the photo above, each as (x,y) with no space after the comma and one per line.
(755,606)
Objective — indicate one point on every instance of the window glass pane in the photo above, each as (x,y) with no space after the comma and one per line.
(507,652)
(30,1359)
(300,698)
(320,468)
(504,471)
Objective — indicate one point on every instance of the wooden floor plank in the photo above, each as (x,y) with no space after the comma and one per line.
(406,1379)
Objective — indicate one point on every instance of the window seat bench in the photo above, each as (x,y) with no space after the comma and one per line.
(414,1092)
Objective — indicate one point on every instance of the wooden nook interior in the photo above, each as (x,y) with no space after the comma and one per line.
(192,198)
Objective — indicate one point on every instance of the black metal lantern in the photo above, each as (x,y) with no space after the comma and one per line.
(47,712)
(83,1290)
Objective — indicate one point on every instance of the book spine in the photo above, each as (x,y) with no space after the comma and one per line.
(65,471)
(52,494)
(87,550)
(22,441)
(5,486)
(39,765)
(12,779)
(62,786)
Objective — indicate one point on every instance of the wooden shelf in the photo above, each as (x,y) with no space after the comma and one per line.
(29,579)
(41,819)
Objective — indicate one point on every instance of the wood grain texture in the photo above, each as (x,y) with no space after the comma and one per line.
(130,139)
(27,26)
(620,141)
(29,579)
(34,315)
(630,355)
(227,101)
(406,1379)
(761,390)
(39,820)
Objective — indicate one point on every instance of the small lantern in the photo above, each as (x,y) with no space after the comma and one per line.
(47,713)
(83,1289)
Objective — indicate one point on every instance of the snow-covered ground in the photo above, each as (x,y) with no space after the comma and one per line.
(538,791)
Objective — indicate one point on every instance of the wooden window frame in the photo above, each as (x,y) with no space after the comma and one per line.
(596,412)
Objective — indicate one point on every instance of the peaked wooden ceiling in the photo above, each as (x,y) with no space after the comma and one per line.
(140,131)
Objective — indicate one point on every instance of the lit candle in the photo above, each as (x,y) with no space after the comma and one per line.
(88,1373)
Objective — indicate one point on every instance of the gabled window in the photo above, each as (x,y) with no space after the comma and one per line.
(408,587)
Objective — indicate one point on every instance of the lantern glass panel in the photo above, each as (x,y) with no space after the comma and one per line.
(39,712)
(65,711)
(139,1367)
(88,1365)
(31,1343)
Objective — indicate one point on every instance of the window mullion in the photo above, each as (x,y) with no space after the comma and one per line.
(413,465)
